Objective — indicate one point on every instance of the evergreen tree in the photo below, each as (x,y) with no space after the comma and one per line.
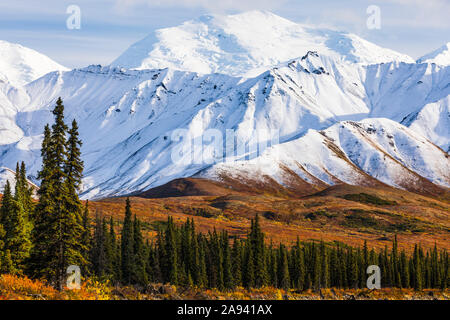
(257,241)
(2,251)
(228,280)
(139,275)
(171,260)
(325,266)
(283,275)
(17,228)
(6,208)
(404,267)
(98,252)
(26,192)
(317,268)
(249,273)
(418,281)
(237,262)
(86,239)
(58,229)
(115,251)
(7,263)
(353,269)
(194,258)
(203,277)
(127,246)
(273,267)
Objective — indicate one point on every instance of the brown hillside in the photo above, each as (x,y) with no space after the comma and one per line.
(344,213)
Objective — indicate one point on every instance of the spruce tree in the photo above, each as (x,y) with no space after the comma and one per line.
(249,266)
(418,281)
(42,262)
(228,280)
(115,258)
(127,246)
(58,229)
(2,236)
(98,251)
(139,274)
(203,276)
(195,255)
(17,228)
(273,267)
(257,240)
(26,192)
(73,170)
(7,263)
(86,240)
(284,278)
(237,262)
(6,208)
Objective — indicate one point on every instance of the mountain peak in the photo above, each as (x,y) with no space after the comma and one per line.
(439,56)
(20,65)
(246,42)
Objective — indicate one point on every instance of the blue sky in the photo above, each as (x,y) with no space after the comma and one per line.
(109,27)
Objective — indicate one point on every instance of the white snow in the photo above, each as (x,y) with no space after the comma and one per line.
(7,175)
(246,44)
(439,56)
(20,65)
(381,148)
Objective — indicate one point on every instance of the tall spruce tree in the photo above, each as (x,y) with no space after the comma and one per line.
(127,246)
(115,258)
(58,229)
(283,268)
(98,251)
(257,240)
(140,256)
(171,251)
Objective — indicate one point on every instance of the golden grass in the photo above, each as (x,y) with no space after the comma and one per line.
(22,288)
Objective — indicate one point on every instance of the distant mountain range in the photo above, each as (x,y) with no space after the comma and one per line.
(336,109)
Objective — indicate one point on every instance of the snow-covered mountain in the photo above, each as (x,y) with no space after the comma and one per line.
(127,117)
(365,153)
(6,175)
(247,42)
(439,56)
(330,118)
(20,65)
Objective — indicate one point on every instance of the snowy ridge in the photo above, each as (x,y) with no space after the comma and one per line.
(20,65)
(439,56)
(349,152)
(246,43)
(7,175)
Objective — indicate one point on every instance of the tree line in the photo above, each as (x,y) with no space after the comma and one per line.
(179,255)
(41,239)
